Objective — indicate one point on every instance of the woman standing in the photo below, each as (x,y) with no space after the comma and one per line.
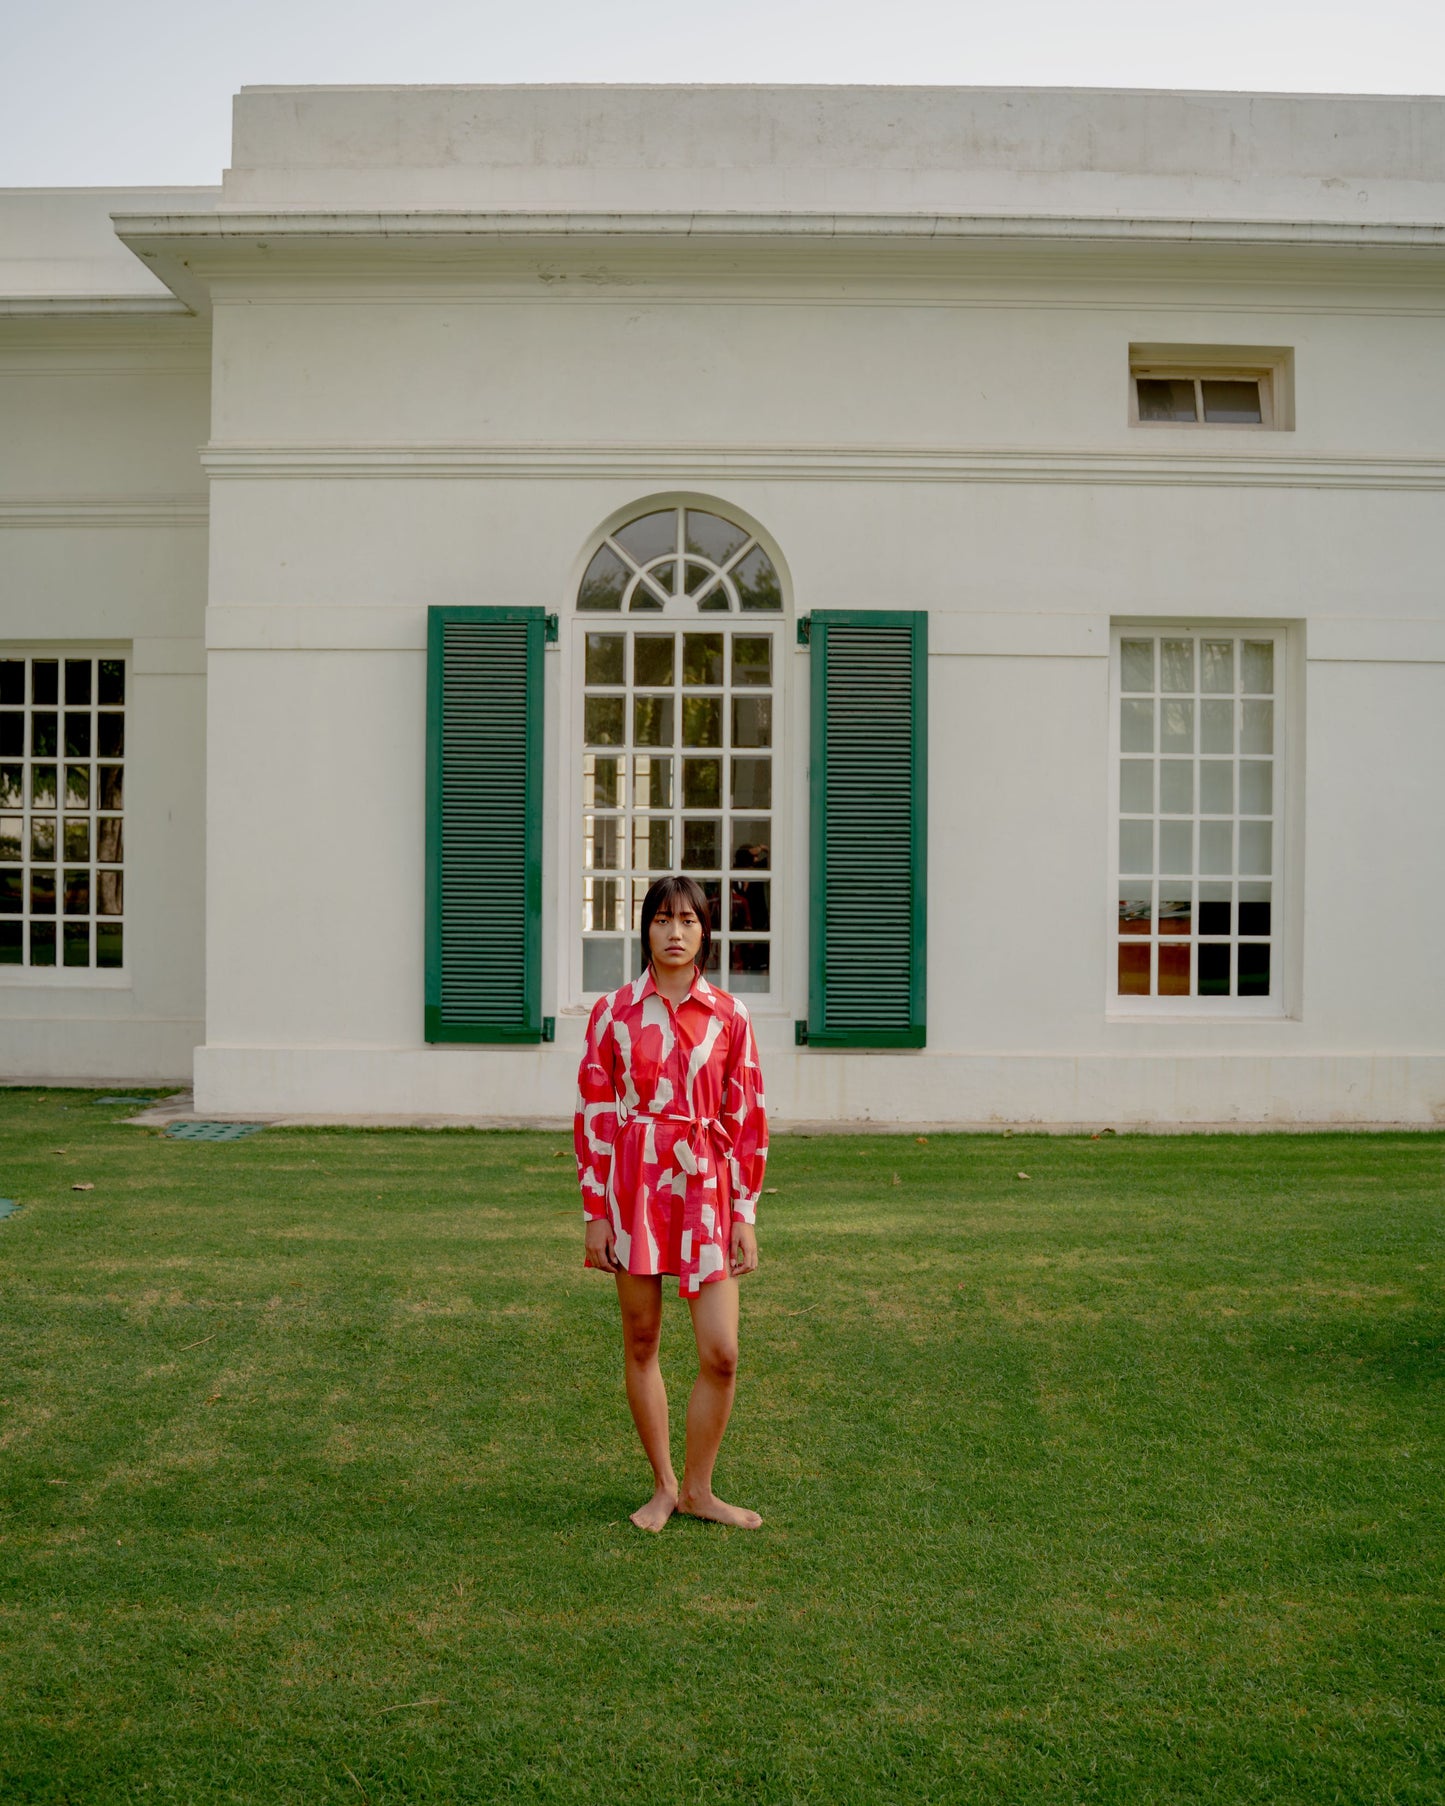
(672,1140)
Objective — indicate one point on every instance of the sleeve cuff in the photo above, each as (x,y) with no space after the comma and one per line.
(745,1209)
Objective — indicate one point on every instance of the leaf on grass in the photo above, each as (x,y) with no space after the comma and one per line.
(922,1140)
(82,1185)
(57,1150)
(1021,1175)
(770,1191)
(895,1180)
(407,1704)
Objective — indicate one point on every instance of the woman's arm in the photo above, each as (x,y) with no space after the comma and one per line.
(746,1115)
(594,1130)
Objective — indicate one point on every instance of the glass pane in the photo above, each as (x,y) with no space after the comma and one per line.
(649,536)
(702,844)
(77,838)
(750,905)
(1174,969)
(1216,727)
(1254,908)
(112,682)
(752,837)
(44,735)
(1136,846)
(1257,731)
(602,843)
(10,829)
(1214,909)
(652,660)
(1216,667)
(110,893)
(1137,658)
(12,938)
(12,682)
(1133,968)
(652,782)
(606,658)
(702,658)
(717,598)
(112,784)
(109,736)
(1165,398)
(1216,847)
(748,965)
(603,965)
(1256,840)
(645,599)
(702,783)
(1231,403)
(1176,913)
(1176,846)
(108,937)
(1176,727)
(664,575)
(42,786)
(1136,786)
(1213,969)
(1258,667)
(601,781)
(602,720)
(42,943)
(714,963)
(42,890)
(12,735)
(695,575)
(12,786)
(77,682)
(712,892)
(77,786)
(712,536)
(1253,969)
(77,893)
(602,903)
(752,660)
(77,943)
(1136,727)
(1176,787)
(757,582)
(652,843)
(603,581)
(12,891)
(752,783)
(1136,909)
(77,735)
(1256,787)
(752,720)
(1176,663)
(45,681)
(702,720)
(652,721)
(1216,787)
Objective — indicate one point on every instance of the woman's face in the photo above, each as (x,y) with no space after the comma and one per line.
(675,937)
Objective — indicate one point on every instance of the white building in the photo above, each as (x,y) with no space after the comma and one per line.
(993,538)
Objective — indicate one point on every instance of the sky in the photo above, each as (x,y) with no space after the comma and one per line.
(137,92)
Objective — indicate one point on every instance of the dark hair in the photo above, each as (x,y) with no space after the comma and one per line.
(674,890)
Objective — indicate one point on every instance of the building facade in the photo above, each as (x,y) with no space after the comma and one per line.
(991,538)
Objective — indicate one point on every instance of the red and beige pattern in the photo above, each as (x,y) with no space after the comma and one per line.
(672,1129)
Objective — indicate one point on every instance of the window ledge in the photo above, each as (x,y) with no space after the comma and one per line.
(61,978)
(1230,1016)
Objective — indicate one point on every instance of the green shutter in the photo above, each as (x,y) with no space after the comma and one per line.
(868,852)
(484,824)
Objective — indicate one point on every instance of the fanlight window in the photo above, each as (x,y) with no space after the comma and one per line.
(681,558)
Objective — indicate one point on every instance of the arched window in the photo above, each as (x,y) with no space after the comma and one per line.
(679,735)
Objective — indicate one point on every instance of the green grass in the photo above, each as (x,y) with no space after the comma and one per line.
(1118,1483)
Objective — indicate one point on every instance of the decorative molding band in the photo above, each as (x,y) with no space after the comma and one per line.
(1231,470)
(109,306)
(163,511)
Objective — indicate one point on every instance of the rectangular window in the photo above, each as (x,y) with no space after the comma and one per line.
(678,730)
(1210,386)
(1198,733)
(62,810)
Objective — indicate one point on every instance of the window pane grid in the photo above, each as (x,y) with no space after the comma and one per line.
(62,795)
(677,776)
(1198,824)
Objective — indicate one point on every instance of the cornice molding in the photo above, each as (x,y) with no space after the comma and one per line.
(873,464)
(162,511)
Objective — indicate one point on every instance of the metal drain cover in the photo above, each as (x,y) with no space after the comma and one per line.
(212,1131)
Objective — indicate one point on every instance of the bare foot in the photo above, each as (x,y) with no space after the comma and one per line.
(708,1505)
(658,1509)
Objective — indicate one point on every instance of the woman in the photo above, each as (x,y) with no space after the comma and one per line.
(671,1140)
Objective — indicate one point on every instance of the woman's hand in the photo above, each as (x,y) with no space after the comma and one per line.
(602,1246)
(744,1249)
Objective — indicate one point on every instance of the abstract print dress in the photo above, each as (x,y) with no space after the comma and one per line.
(671,1130)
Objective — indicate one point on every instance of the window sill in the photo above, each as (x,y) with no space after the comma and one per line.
(64,978)
(1232,1012)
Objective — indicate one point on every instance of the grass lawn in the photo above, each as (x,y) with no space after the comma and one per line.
(1119,1483)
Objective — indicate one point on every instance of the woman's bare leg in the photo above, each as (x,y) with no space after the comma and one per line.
(641,1300)
(715,1324)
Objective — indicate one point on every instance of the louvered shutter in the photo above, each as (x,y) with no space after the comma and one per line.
(868,852)
(484,824)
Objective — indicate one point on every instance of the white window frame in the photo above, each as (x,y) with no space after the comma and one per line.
(1276,1005)
(1271,366)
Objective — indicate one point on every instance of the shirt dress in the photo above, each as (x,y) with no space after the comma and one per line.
(672,1129)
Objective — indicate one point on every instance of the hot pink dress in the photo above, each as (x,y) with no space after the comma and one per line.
(672,1129)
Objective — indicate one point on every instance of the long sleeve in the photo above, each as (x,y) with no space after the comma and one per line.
(594,1128)
(745,1112)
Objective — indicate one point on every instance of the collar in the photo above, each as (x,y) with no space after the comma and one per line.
(699,991)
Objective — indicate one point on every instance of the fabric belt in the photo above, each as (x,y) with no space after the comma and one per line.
(706,1140)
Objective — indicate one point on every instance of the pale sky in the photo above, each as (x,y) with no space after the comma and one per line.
(114,92)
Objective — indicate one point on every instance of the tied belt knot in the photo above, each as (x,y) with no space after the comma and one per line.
(706,1140)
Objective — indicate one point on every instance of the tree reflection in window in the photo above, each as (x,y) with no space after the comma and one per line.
(681,558)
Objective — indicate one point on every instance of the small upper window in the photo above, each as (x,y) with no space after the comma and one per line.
(1217,386)
(685,559)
